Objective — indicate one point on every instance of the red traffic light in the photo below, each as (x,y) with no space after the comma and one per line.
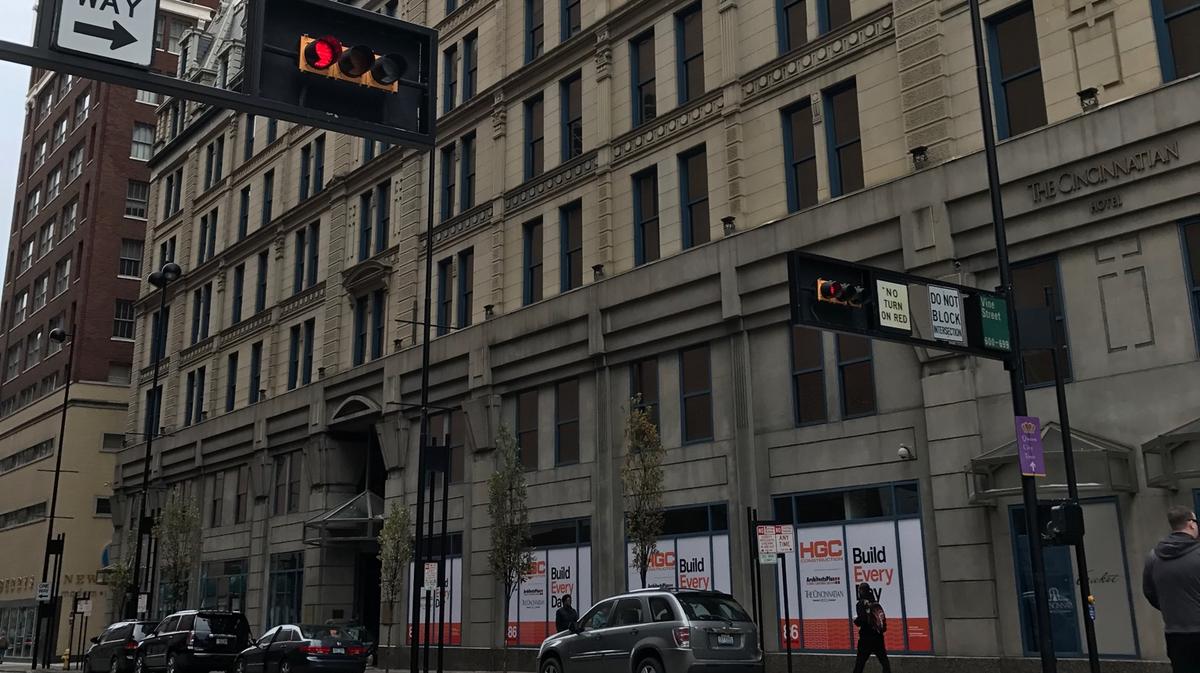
(829,290)
(837,292)
(323,52)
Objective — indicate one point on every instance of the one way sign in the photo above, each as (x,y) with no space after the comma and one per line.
(114,30)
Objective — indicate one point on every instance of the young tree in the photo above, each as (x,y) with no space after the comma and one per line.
(120,574)
(642,482)
(510,557)
(395,553)
(177,529)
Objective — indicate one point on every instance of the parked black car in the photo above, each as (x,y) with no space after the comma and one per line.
(115,649)
(194,641)
(296,648)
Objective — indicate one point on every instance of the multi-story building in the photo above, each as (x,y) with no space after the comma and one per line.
(75,258)
(617,188)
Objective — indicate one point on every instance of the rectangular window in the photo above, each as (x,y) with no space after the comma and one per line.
(147,97)
(571,100)
(314,249)
(137,199)
(383,218)
(318,164)
(467,162)
(808,376)
(365,225)
(260,291)
(193,411)
(201,305)
(20,307)
(53,184)
(286,591)
(470,65)
(1016,70)
(256,391)
(41,291)
(359,348)
(123,320)
(566,422)
(27,250)
(696,394)
(241,503)
(845,145)
(75,163)
(298,266)
(83,106)
(166,251)
(305,171)
(571,238)
(268,198)
(287,483)
(693,188)
(378,310)
(645,97)
(70,218)
(1176,24)
(294,357)
(62,276)
(832,14)
(1031,281)
(368,150)
(231,374)
(689,45)
(645,216)
(272,130)
(12,363)
(214,160)
(533,261)
(310,333)
(130,264)
(643,386)
(159,324)
(793,24)
(800,153)
(207,243)
(535,29)
(248,138)
(33,349)
(572,19)
(448,182)
(1191,258)
(239,287)
(527,428)
(60,132)
(466,286)
(856,375)
(33,204)
(535,151)
(244,213)
(143,142)
(152,419)
(450,73)
(445,296)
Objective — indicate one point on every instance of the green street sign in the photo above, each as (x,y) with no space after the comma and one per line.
(993,321)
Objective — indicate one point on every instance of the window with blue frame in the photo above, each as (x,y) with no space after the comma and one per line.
(535,29)
(572,18)
(571,237)
(1191,260)
(378,310)
(800,153)
(844,141)
(693,192)
(1016,70)
(310,336)
(535,141)
(466,286)
(450,73)
(255,391)
(260,291)
(231,373)
(366,225)
(449,178)
(239,286)
(248,139)
(244,214)
(645,95)
(645,216)
(361,311)
(856,375)
(383,217)
(1176,25)
(643,386)
(1035,282)
(532,239)
(470,65)
(314,252)
(466,162)
(293,375)
(566,422)
(445,295)
(792,21)
(268,203)
(152,424)
(451,5)
(695,394)
(298,263)
(832,14)
(808,376)
(527,428)
(689,47)
(571,101)
(193,411)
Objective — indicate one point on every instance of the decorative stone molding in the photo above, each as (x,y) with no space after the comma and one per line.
(366,275)
(147,373)
(499,114)
(245,328)
(465,13)
(667,129)
(549,184)
(874,30)
(476,218)
(603,53)
(303,300)
(193,353)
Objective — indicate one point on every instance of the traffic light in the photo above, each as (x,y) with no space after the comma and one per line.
(841,293)
(327,56)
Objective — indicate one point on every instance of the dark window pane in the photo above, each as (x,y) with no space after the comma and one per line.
(697,175)
(908,499)
(527,422)
(698,218)
(858,389)
(852,347)
(568,400)
(802,133)
(810,397)
(697,413)
(1185,47)
(720,517)
(820,507)
(696,370)
(645,56)
(839,13)
(865,503)
(1172,6)
(851,164)
(794,16)
(695,77)
(844,104)
(1017,37)
(554,534)
(645,380)
(650,241)
(568,443)
(1191,235)
(685,521)
(806,349)
(806,183)
(783,510)
(693,33)
(1025,102)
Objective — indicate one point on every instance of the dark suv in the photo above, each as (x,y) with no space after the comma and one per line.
(114,649)
(657,631)
(194,642)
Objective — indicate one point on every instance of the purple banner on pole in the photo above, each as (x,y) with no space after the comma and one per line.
(1029,446)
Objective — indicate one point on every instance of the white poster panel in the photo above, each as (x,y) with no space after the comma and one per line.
(583,600)
(694,558)
(916,594)
(720,549)
(453,596)
(1108,581)
(661,571)
(789,621)
(875,559)
(823,590)
(527,610)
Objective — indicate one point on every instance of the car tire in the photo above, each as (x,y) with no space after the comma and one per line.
(551,664)
(285,666)
(172,664)
(139,665)
(649,664)
(114,666)
(240,665)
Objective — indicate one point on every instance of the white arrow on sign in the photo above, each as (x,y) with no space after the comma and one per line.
(114,30)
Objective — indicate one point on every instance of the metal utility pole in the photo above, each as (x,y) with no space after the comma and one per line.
(46,610)
(1016,365)
(159,279)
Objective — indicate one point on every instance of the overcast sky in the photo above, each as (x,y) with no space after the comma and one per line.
(17,26)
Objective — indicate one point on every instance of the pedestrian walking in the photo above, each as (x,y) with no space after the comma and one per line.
(872,624)
(3,645)
(565,616)
(1171,582)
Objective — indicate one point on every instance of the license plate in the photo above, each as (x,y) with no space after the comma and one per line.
(725,639)
(222,641)
(339,650)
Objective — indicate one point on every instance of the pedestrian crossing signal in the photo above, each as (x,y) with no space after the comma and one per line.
(328,57)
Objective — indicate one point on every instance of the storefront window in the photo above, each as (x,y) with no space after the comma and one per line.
(867,534)
(693,552)
(17,623)
(287,588)
(562,565)
(223,585)
(452,592)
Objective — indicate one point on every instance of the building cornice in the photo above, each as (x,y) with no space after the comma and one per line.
(551,184)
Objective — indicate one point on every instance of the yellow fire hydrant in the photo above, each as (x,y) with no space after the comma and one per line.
(66,657)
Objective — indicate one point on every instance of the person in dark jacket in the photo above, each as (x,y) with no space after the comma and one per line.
(870,638)
(1171,582)
(565,616)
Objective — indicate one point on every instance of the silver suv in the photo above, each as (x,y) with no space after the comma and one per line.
(657,631)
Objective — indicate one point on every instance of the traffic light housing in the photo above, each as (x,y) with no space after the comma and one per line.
(1063,524)
(841,292)
(328,57)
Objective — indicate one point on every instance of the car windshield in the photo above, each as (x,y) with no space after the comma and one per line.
(712,607)
(227,624)
(332,632)
(140,631)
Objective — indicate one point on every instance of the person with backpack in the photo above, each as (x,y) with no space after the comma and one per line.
(872,624)
(3,645)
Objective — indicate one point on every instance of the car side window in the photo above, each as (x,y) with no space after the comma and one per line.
(661,610)
(187,623)
(266,637)
(168,625)
(628,612)
(121,633)
(293,636)
(597,617)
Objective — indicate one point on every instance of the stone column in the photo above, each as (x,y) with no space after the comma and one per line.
(604,136)
(925,97)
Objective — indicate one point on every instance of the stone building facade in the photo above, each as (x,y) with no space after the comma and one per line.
(617,188)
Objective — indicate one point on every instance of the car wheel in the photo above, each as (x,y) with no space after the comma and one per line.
(551,665)
(171,664)
(114,666)
(240,666)
(139,665)
(649,664)
(285,667)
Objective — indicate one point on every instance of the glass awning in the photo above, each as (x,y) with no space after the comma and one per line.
(1173,455)
(356,520)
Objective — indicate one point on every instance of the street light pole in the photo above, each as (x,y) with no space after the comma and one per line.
(159,279)
(46,609)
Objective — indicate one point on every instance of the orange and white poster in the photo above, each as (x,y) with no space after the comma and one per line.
(697,562)
(874,558)
(821,580)
(452,630)
(554,573)
(916,603)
